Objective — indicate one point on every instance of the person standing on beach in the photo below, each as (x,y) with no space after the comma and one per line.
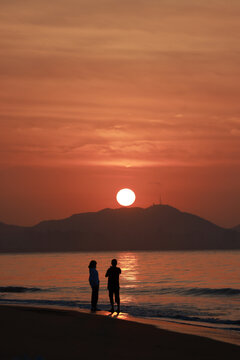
(94,282)
(113,285)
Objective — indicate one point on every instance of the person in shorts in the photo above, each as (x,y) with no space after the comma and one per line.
(113,285)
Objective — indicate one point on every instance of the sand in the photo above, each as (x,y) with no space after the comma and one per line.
(47,334)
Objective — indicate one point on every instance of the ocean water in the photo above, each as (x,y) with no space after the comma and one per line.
(190,287)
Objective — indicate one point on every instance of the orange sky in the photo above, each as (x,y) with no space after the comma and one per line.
(97,95)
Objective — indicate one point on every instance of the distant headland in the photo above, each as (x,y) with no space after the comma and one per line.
(158,227)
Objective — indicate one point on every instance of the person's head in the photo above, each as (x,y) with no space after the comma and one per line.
(114,262)
(92,264)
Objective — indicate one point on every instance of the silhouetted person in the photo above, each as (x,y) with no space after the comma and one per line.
(113,284)
(94,282)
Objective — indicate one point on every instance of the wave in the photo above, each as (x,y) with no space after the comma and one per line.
(70,303)
(181,291)
(202,320)
(211,291)
(180,315)
(194,291)
(18,289)
(165,313)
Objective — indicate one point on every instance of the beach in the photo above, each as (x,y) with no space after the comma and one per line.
(53,334)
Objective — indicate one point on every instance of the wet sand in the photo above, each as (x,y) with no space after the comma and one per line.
(46,334)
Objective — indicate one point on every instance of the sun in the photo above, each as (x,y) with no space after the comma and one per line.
(126,197)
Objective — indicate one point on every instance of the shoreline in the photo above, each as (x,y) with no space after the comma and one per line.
(229,336)
(56,333)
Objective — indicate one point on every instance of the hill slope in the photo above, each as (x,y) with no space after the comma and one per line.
(236,228)
(159,227)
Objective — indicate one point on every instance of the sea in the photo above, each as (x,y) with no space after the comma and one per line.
(199,289)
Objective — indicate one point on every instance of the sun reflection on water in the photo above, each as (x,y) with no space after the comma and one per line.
(128,262)
(129,265)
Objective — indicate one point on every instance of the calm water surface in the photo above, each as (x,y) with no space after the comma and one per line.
(192,287)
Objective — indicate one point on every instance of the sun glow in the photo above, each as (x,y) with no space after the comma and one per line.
(126,197)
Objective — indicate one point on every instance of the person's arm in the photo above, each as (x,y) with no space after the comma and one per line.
(97,278)
(107,273)
(94,280)
(91,278)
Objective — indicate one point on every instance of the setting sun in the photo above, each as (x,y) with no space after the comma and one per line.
(126,197)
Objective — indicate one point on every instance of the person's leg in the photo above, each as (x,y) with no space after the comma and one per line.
(94,297)
(117,299)
(111,299)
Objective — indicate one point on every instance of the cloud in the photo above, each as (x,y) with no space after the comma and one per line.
(132,82)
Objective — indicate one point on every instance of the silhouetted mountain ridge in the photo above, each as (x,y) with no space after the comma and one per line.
(158,227)
(236,228)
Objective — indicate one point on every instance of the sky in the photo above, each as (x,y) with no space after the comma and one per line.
(98,95)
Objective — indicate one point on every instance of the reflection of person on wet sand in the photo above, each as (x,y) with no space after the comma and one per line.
(94,282)
(113,284)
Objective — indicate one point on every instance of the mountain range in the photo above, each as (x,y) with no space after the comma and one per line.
(236,228)
(158,227)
